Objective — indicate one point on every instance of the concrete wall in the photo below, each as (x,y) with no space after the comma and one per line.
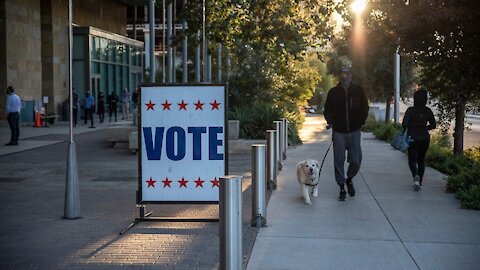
(23,50)
(109,15)
(3,58)
(34,58)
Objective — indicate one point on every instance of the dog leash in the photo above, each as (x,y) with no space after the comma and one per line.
(324,157)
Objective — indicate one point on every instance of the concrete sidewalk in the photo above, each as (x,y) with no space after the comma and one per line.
(385,226)
(33,234)
(31,137)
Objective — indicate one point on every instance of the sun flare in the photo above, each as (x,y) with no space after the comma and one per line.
(358,6)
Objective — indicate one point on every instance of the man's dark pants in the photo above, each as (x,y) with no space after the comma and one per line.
(13,119)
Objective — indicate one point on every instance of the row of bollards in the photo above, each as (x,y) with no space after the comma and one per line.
(267,160)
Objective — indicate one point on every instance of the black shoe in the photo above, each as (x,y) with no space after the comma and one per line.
(342,196)
(350,188)
(10,143)
(91,127)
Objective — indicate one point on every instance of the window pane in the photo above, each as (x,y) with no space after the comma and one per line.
(111,77)
(104,79)
(118,76)
(119,52)
(111,51)
(125,77)
(78,47)
(103,49)
(95,67)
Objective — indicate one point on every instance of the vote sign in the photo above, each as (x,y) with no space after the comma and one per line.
(182,141)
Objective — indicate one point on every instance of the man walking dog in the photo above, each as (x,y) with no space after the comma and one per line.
(346,110)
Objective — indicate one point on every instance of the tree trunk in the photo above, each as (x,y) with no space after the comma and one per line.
(387,111)
(459,129)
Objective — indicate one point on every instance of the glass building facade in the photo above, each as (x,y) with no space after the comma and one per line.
(105,62)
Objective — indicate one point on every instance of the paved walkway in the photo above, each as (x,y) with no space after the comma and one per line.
(33,234)
(385,226)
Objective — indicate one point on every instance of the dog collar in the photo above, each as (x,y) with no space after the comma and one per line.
(312,185)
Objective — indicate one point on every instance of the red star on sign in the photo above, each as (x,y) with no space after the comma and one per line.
(166,182)
(183,182)
(150,105)
(166,105)
(215,104)
(214,182)
(183,105)
(199,182)
(198,105)
(151,182)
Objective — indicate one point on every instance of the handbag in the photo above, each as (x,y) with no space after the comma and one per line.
(401,141)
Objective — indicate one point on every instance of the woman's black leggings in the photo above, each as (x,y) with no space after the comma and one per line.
(416,157)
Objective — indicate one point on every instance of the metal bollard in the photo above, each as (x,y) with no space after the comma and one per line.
(259,192)
(272,169)
(279,144)
(285,137)
(230,200)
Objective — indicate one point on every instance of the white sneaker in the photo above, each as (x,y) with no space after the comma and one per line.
(416,183)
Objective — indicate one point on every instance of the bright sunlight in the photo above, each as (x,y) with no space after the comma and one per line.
(358,6)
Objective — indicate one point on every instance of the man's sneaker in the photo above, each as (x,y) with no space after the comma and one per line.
(416,183)
(350,188)
(342,196)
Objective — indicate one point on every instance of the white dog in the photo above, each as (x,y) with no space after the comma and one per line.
(308,176)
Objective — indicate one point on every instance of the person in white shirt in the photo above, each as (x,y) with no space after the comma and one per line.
(125,103)
(12,109)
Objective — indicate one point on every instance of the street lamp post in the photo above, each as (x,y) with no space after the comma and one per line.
(396,107)
(72,192)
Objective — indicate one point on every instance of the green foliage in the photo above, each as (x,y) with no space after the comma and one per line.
(441,139)
(371,124)
(441,159)
(463,172)
(386,131)
(295,121)
(464,179)
(321,90)
(473,154)
(269,47)
(470,197)
(442,38)
(256,119)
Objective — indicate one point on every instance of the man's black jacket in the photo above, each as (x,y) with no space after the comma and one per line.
(346,110)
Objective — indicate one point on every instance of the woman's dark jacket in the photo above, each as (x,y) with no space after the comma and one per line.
(346,110)
(419,119)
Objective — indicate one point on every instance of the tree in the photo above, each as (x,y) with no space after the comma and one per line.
(443,37)
(267,41)
(372,60)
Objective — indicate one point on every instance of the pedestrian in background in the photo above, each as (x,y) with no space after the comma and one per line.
(112,105)
(101,106)
(135,99)
(12,109)
(75,107)
(125,103)
(418,120)
(89,106)
(346,110)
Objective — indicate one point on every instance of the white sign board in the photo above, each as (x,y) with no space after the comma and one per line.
(182,141)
